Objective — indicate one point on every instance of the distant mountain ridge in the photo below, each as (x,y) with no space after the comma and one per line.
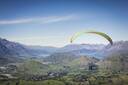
(15,50)
(72,47)
(120,47)
(20,50)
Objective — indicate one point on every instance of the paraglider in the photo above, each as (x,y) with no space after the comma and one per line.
(92,32)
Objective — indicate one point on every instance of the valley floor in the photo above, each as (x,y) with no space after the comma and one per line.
(75,79)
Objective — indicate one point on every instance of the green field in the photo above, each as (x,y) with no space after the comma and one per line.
(75,79)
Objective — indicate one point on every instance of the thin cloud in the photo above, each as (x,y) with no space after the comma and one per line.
(43,20)
(15,21)
(58,19)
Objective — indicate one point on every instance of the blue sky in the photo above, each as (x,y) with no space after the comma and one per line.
(53,22)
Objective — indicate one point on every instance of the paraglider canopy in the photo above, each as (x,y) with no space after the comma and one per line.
(91,32)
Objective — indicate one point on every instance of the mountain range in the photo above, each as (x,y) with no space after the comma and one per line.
(13,51)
